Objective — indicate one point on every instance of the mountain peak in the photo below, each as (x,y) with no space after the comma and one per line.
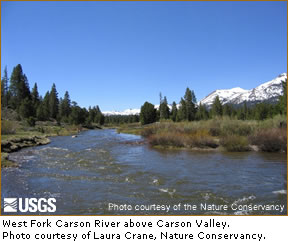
(269,91)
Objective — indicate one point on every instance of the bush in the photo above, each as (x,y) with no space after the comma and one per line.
(215,131)
(236,128)
(168,139)
(8,127)
(235,143)
(271,140)
(148,131)
(202,142)
(176,138)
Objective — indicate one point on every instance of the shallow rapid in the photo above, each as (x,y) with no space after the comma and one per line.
(99,167)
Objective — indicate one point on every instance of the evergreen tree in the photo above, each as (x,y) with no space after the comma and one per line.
(4,89)
(46,106)
(174,111)
(35,98)
(242,113)
(283,99)
(262,111)
(26,109)
(202,113)
(91,115)
(100,118)
(163,108)
(24,89)
(77,115)
(19,87)
(53,102)
(190,101)
(40,113)
(182,112)
(217,109)
(228,110)
(65,107)
(147,113)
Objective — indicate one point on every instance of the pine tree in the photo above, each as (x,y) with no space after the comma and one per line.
(262,111)
(40,113)
(65,107)
(4,89)
(283,99)
(24,90)
(202,113)
(190,101)
(78,115)
(19,87)
(163,108)
(53,102)
(26,108)
(147,113)
(217,109)
(228,110)
(174,111)
(35,98)
(182,112)
(46,106)
(242,113)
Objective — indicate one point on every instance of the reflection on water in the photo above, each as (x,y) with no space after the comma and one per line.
(87,173)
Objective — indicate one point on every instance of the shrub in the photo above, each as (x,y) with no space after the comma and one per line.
(168,139)
(8,127)
(235,143)
(236,128)
(202,142)
(215,131)
(171,137)
(271,140)
(148,131)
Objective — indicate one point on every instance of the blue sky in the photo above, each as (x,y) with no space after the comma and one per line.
(120,54)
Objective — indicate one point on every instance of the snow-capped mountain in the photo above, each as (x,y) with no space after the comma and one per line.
(224,95)
(131,111)
(269,91)
(125,112)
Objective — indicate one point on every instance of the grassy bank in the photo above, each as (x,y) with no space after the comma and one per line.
(5,162)
(16,135)
(223,133)
(133,128)
(19,129)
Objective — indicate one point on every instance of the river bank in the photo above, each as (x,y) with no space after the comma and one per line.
(16,144)
(17,135)
(220,134)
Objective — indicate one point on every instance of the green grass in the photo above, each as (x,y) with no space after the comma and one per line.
(133,128)
(21,129)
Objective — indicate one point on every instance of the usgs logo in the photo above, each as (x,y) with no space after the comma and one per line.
(32,205)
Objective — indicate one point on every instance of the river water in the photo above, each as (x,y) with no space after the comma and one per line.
(100,168)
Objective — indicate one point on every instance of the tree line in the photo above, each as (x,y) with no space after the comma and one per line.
(16,94)
(30,106)
(188,110)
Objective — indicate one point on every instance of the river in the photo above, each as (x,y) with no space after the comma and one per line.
(99,167)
